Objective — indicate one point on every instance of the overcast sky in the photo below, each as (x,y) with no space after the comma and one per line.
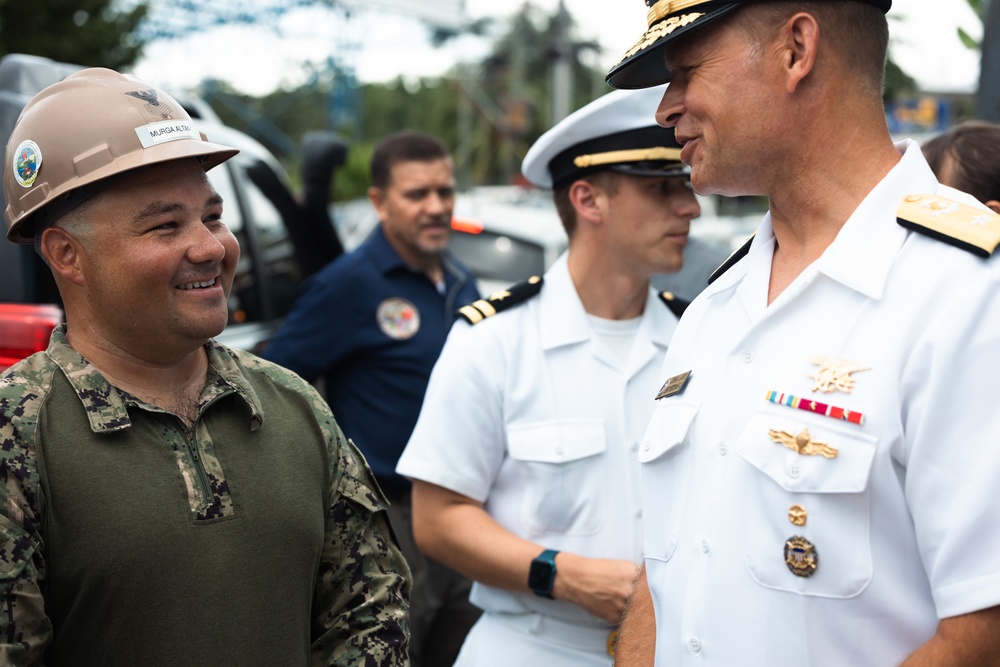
(382,45)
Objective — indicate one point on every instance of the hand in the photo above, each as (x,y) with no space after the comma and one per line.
(600,586)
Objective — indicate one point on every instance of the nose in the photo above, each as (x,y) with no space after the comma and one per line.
(439,205)
(206,245)
(671,106)
(687,206)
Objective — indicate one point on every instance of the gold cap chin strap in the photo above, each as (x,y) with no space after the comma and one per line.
(634,155)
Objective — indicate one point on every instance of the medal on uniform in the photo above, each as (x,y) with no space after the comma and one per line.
(797,515)
(673,386)
(835,374)
(816,407)
(803,443)
(800,556)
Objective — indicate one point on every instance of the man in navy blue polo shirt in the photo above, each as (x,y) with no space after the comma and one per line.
(371,324)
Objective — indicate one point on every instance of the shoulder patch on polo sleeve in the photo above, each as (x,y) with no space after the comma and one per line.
(731,260)
(477,311)
(676,305)
(960,225)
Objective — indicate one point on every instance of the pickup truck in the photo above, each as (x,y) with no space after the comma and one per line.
(283,237)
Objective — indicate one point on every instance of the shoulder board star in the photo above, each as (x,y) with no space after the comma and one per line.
(731,260)
(675,304)
(477,311)
(960,225)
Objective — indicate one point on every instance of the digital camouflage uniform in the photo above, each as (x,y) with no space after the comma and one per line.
(256,538)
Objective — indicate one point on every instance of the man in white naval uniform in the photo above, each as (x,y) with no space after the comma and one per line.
(820,475)
(523,460)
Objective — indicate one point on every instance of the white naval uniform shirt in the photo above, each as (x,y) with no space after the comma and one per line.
(905,520)
(529,413)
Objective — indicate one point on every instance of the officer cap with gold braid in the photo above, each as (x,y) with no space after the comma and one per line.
(643,65)
(616,132)
(477,311)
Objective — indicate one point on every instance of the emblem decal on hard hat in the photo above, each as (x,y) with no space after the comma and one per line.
(148,96)
(27,162)
(398,318)
(152,99)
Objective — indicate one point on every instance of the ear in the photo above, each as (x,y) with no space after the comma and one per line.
(64,255)
(994,205)
(801,37)
(585,197)
(377,198)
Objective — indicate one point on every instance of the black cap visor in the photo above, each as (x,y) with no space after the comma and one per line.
(644,65)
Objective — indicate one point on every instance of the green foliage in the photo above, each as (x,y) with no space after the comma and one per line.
(489,112)
(898,84)
(84,32)
(979,7)
(351,180)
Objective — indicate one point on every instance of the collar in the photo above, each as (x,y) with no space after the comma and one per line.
(382,253)
(863,253)
(386,258)
(864,250)
(106,406)
(563,319)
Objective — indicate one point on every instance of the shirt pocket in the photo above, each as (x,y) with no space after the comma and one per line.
(563,478)
(665,455)
(834,492)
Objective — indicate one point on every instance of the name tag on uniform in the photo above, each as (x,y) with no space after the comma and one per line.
(673,386)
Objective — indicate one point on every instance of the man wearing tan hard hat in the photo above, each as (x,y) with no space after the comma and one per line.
(165,500)
(819,475)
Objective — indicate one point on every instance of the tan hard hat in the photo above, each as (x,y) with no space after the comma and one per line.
(75,134)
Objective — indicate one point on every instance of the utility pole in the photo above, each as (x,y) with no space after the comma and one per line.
(988,100)
(562,67)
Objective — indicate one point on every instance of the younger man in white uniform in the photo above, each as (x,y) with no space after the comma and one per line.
(524,455)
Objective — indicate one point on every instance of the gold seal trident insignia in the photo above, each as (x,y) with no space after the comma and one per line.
(803,444)
(835,374)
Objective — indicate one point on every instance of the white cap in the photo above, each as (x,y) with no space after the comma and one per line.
(615,132)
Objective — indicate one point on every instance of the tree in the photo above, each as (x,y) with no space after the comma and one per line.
(979,7)
(81,32)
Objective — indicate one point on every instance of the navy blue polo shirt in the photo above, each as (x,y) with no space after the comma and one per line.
(372,327)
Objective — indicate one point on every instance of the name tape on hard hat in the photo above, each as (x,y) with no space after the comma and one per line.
(168,130)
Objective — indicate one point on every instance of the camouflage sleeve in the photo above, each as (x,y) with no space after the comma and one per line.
(362,598)
(25,630)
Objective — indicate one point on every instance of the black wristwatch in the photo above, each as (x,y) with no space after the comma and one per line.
(543,573)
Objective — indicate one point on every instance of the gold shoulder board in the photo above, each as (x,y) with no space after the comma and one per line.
(477,311)
(966,227)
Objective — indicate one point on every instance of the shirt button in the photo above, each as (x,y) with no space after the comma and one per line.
(794,470)
(704,546)
(645,446)
(747,356)
(723,449)
(695,644)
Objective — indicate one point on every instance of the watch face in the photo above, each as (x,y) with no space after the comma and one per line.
(540,576)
